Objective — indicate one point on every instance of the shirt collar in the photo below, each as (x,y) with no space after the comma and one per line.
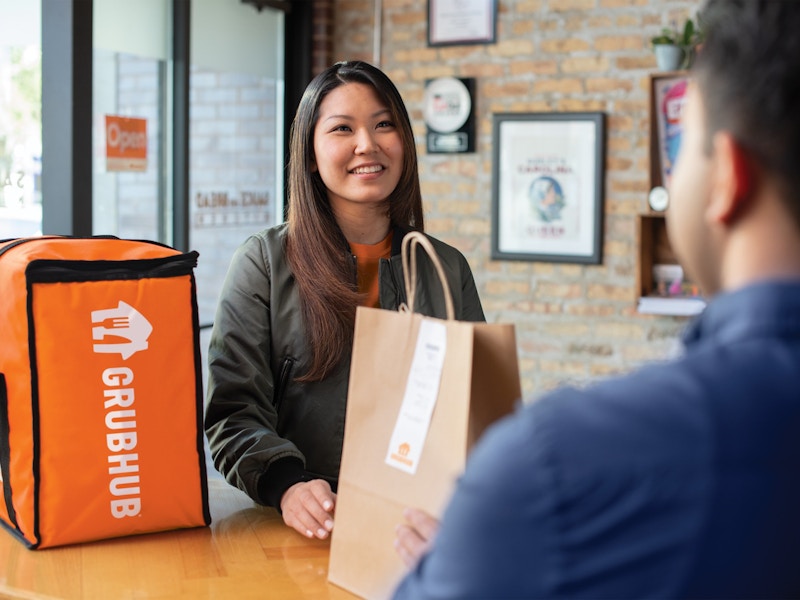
(759,310)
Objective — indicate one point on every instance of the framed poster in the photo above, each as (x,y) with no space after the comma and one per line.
(668,97)
(547,186)
(461,22)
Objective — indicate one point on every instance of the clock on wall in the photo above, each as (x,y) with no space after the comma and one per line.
(449,115)
(658,198)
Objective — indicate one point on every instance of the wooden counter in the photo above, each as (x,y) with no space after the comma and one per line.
(247,552)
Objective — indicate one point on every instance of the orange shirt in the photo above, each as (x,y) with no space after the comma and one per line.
(368,257)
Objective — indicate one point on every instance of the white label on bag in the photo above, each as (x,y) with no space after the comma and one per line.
(422,389)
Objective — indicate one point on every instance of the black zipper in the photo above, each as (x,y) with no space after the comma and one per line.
(401,289)
(57,270)
(355,269)
(283,382)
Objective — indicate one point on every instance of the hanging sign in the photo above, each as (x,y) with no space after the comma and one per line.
(126,143)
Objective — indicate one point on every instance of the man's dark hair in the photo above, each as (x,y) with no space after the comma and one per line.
(748,71)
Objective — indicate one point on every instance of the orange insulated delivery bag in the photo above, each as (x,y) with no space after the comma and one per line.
(100,390)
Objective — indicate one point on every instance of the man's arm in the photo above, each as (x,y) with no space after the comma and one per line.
(495,534)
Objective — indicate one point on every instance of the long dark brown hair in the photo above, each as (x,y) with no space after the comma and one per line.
(317,250)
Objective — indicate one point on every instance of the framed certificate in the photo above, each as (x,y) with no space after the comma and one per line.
(459,22)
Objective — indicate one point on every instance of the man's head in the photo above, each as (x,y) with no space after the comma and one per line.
(742,130)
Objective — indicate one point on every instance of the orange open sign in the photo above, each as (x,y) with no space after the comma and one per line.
(126,143)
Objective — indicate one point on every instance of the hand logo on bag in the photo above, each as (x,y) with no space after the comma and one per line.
(122,322)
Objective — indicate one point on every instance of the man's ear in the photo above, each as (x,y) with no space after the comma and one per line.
(731,180)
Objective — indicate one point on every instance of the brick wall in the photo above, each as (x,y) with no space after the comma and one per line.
(574,322)
(321,35)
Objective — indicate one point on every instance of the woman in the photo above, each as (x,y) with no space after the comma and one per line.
(279,355)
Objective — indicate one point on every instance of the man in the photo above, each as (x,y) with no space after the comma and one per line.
(682,479)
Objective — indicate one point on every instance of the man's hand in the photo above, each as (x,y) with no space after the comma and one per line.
(414,537)
(308,507)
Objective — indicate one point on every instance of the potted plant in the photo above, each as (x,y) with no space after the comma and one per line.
(674,48)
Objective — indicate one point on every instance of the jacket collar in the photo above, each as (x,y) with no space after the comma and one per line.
(399,232)
(770,309)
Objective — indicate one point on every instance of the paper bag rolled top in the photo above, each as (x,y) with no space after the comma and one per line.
(421,392)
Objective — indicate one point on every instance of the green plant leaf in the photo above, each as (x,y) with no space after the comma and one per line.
(688,33)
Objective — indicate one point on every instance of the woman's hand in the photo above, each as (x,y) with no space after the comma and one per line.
(308,508)
(414,537)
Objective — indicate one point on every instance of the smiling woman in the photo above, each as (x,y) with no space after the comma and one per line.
(279,356)
(359,157)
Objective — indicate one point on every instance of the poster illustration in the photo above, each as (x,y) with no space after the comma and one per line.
(669,98)
(547,188)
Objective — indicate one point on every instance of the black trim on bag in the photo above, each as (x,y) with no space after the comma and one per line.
(17,241)
(201,451)
(59,271)
(5,453)
(14,243)
(17,534)
(34,414)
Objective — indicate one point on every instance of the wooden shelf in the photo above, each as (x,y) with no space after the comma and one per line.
(675,307)
(651,230)
(655,249)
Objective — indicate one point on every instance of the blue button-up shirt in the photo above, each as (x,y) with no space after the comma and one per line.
(679,480)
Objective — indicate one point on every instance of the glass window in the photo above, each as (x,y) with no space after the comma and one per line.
(236,134)
(131,99)
(20,118)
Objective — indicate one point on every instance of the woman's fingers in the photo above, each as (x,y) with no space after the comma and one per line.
(308,508)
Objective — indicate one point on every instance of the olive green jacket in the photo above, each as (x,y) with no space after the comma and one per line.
(266,430)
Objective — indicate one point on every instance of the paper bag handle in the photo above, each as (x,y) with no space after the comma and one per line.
(408,255)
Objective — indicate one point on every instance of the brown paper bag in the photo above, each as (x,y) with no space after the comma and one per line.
(479,382)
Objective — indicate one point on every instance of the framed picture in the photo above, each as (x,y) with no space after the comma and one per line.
(461,22)
(547,187)
(667,99)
